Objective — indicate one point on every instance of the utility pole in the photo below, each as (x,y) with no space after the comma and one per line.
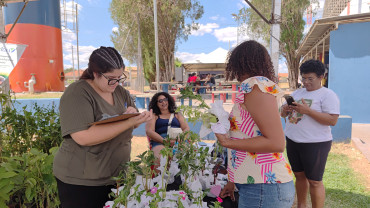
(78,51)
(5,86)
(275,31)
(275,35)
(156,43)
(140,71)
(73,66)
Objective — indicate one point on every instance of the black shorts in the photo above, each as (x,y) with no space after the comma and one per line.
(74,196)
(309,158)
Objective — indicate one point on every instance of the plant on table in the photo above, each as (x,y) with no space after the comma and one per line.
(137,187)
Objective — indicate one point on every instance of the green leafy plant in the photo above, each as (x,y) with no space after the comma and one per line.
(28,142)
(145,168)
(21,131)
(198,113)
(127,180)
(28,181)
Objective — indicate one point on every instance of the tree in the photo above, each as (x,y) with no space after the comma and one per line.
(291,27)
(178,62)
(171,15)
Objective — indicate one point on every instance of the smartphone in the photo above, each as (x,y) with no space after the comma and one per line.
(289,99)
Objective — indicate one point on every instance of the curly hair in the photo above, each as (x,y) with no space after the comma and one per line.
(249,58)
(153,103)
(312,66)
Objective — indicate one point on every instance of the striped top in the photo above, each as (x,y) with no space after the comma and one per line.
(251,167)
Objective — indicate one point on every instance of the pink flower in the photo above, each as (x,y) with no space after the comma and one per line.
(153,190)
(183,195)
(106,206)
(219,199)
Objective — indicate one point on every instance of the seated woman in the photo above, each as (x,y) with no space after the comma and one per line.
(163,106)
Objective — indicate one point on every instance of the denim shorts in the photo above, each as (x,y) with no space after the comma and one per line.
(263,195)
(154,143)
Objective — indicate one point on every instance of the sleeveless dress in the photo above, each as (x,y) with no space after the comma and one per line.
(161,126)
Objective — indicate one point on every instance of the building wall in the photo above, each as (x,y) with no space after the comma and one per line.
(349,69)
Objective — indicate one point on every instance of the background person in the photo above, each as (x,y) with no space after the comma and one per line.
(211,82)
(91,155)
(163,106)
(193,80)
(189,79)
(256,140)
(308,132)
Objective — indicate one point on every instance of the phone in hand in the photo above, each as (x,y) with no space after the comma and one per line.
(289,99)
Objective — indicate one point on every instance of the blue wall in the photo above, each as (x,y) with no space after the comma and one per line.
(341,132)
(349,69)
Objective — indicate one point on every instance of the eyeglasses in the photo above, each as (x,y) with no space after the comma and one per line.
(114,81)
(162,100)
(309,79)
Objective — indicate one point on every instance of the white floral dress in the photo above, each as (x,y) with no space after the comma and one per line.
(251,167)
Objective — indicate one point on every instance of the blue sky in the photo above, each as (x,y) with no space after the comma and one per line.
(209,44)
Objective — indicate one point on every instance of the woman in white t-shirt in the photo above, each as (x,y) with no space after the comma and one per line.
(308,132)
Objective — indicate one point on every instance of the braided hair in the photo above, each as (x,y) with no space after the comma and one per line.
(249,58)
(102,60)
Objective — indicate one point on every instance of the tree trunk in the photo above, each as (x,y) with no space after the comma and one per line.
(169,67)
(293,65)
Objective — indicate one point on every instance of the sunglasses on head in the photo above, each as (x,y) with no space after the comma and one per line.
(162,100)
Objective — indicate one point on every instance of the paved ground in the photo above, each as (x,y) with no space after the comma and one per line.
(361,138)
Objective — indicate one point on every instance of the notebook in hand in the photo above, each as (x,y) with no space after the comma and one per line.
(115,118)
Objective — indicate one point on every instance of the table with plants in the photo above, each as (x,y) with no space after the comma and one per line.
(191,174)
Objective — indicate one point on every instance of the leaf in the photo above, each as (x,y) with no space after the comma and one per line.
(250,180)
(29,193)
(2,202)
(31,181)
(6,189)
(48,179)
(7,175)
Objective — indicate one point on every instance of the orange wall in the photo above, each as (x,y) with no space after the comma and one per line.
(44,44)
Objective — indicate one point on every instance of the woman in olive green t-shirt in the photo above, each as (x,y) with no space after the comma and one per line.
(91,155)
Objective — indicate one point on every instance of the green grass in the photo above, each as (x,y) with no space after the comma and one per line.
(343,186)
(344,189)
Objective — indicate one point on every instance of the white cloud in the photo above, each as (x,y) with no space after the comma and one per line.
(68,36)
(319,9)
(115,29)
(67,11)
(217,56)
(226,34)
(215,17)
(306,29)
(203,29)
(68,43)
(84,54)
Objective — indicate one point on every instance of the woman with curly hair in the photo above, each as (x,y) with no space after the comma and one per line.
(256,165)
(164,107)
